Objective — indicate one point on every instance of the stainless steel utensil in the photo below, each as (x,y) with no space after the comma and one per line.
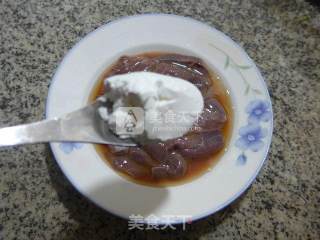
(83,125)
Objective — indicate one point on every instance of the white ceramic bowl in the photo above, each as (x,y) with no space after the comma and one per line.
(234,172)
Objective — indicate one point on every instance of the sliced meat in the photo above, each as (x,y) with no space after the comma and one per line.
(200,81)
(139,156)
(198,145)
(157,150)
(177,165)
(128,64)
(126,165)
(174,166)
(160,171)
(144,65)
(213,117)
(172,57)
(191,63)
(123,65)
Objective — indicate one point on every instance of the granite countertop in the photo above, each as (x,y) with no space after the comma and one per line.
(282,37)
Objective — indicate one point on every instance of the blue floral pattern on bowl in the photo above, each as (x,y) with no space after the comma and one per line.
(258,110)
(252,134)
(241,160)
(251,137)
(68,147)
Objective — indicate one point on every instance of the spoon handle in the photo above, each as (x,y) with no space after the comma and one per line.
(82,125)
(54,130)
(42,131)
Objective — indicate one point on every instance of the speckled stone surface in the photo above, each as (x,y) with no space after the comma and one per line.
(283,38)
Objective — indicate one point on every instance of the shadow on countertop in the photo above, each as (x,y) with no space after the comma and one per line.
(95,223)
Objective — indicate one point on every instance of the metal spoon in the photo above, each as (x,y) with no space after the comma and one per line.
(83,125)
